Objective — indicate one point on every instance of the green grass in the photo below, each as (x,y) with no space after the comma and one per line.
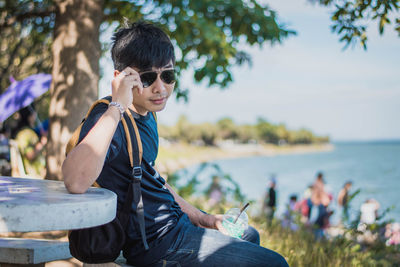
(301,249)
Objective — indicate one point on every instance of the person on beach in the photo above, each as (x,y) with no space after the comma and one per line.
(318,189)
(368,216)
(323,216)
(318,193)
(289,216)
(178,234)
(304,205)
(269,205)
(392,234)
(369,211)
(343,200)
(320,200)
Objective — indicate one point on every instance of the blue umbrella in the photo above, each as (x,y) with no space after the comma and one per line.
(22,93)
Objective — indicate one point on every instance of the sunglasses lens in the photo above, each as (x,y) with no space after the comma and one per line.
(168,76)
(148,78)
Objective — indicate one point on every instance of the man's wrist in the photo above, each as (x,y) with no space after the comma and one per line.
(207,220)
(117,106)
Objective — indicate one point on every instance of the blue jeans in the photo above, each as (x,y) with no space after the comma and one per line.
(197,246)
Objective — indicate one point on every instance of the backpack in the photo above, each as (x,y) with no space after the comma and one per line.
(104,243)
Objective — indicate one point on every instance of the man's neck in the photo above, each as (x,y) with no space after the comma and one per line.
(140,112)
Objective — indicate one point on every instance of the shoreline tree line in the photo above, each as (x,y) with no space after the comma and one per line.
(262,132)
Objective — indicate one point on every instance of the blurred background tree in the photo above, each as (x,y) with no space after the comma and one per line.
(227,129)
(263,132)
(351,18)
(25,41)
(267,131)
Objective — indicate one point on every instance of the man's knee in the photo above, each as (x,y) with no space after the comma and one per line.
(251,235)
(280,261)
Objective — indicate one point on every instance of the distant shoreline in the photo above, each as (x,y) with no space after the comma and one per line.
(173,157)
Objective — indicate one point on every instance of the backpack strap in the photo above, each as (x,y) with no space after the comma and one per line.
(155,116)
(136,160)
(73,141)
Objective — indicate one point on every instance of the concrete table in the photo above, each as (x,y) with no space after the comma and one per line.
(28,205)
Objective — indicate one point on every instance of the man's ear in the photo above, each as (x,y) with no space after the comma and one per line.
(116,72)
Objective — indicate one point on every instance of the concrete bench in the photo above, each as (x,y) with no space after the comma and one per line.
(34,205)
(31,252)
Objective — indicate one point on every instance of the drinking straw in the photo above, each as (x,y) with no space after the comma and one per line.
(240,212)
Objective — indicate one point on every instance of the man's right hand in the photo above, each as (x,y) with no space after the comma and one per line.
(123,84)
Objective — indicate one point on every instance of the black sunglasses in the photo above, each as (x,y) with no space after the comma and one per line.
(149,77)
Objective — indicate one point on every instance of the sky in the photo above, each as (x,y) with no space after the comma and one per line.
(308,81)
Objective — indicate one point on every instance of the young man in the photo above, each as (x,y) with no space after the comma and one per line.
(178,234)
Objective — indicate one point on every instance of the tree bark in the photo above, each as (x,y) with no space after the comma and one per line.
(76,53)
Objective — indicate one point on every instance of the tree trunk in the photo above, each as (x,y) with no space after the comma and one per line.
(76,54)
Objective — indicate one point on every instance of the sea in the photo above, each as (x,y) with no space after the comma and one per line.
(373,168)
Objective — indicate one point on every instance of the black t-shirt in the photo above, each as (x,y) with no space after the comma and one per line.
(272,197)
(160,209)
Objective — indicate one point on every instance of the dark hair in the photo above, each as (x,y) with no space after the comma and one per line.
(23,120)
(3,128)
(348,182)
(141,45)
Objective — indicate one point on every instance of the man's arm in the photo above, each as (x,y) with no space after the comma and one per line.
(340,197)
(196,216)
(85,161)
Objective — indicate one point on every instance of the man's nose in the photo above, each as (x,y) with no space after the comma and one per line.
(159,85)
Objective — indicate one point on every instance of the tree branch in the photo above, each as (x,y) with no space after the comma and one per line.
(27,15)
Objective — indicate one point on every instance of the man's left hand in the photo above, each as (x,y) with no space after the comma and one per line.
(218,224)
(213,222)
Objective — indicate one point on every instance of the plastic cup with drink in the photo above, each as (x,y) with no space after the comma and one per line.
(236,221)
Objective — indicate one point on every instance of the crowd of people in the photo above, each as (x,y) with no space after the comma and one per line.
(315,209)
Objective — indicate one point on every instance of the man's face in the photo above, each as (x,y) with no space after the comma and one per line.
(155,96)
